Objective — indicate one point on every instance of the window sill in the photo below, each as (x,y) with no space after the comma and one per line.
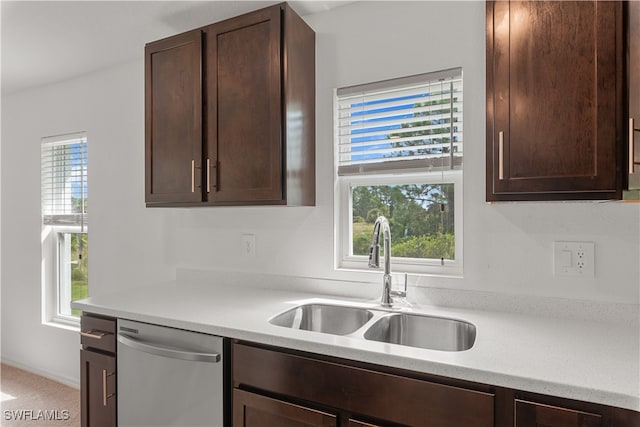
(353,264)
(64,323)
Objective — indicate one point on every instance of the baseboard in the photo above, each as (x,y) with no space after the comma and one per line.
(68,381)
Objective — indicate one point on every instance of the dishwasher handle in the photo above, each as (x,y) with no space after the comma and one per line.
(168,352)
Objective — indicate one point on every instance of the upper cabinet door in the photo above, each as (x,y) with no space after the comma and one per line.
(244,140)
(173,97)
(555,100)
(633,24)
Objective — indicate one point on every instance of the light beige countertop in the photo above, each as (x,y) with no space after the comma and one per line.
(572,358)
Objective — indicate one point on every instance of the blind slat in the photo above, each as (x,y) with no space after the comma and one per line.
(356,105)
(391,134)
(423,164)
(346,147)
(435,149)
(396,123)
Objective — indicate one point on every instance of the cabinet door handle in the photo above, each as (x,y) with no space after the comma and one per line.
(501,155)
(105,396)
(94,334)
(632,150)
(212,175)
(208,176)
(193,176)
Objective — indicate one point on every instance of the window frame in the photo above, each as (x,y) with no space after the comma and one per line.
(343,208)
(343,213)
(64,294)
(53,293)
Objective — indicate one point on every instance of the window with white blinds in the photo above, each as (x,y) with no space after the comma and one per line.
(64,180)
(399,153)
(412,123)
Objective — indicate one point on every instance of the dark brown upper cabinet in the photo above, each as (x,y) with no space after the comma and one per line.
(633,58)
(556,94)
(230,111)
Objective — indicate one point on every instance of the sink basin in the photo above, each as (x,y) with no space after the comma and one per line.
(329,319)
(407,329)
(434,333)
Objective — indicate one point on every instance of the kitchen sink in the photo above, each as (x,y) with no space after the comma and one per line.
(329,319)
(379,324)
(434,333)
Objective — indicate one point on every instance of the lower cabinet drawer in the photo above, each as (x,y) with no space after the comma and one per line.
(254,410)
(354,423)
(375,395)
(530,414)
(98,333)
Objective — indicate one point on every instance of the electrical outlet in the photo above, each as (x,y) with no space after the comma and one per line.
(248,243)
(574,259)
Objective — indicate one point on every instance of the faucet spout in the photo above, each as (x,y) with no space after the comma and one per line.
(374,257)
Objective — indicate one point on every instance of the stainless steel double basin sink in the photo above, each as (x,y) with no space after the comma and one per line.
(378,324)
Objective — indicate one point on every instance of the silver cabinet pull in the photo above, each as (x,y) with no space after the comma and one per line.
(94,334)
(632,150)
(105,396)
(171,353)
(193,176)
(208,176)
(501,155)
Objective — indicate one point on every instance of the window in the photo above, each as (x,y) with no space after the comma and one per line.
(399,154)
(64,225)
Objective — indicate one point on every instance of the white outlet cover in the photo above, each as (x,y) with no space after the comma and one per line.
(574,259)
(248,245)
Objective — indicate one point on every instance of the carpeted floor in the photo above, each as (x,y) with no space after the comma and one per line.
(29,400)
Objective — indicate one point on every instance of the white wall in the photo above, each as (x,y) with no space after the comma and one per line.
(126,241)
(507,247)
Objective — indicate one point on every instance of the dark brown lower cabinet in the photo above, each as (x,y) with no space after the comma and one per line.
(354,423)
(98,371)
(98,384)
(254,410)
(530,414)
(281,387)
(358,396)
(286,388)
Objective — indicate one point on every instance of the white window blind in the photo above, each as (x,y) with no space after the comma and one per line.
(64,180)
(409,123)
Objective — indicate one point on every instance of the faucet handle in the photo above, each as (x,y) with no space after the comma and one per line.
(402,293)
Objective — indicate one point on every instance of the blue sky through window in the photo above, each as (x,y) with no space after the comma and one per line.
(381,141)
(77,155)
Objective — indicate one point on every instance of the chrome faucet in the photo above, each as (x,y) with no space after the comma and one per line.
(374,260)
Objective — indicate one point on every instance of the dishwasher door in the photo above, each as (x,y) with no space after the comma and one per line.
(168,377)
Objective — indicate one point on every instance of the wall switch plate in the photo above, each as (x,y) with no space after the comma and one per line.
(248,243)
(574,259)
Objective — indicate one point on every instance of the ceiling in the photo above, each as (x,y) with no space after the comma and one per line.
(49,41)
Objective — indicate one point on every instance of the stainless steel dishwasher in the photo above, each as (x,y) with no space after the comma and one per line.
(168,377)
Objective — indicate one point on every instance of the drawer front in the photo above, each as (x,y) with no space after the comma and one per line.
(254,410)
(530,414)
(361,391)
(98,333)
